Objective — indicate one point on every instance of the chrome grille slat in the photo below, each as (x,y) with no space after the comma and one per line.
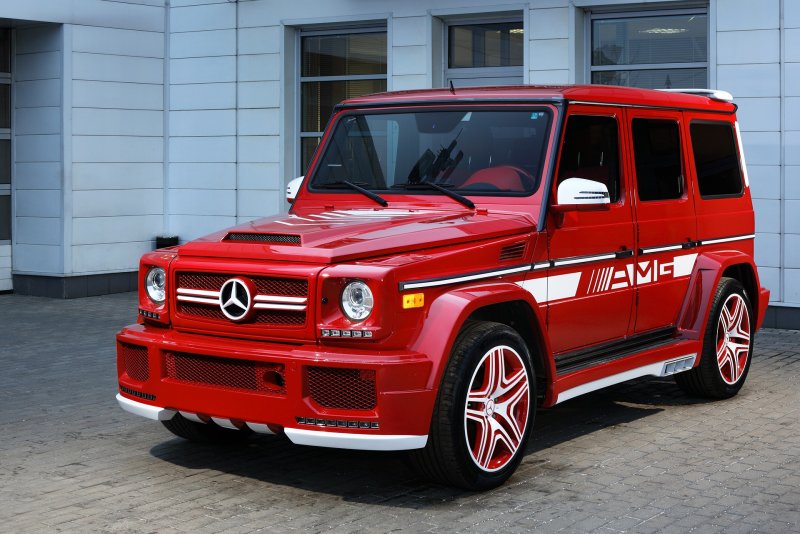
(278,301)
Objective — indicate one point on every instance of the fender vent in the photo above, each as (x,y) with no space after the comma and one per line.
(284,239)
(512,252)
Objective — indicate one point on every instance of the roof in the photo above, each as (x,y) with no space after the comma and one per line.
(571,93)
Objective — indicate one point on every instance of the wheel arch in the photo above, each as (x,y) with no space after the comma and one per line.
(502,302)
(708,270)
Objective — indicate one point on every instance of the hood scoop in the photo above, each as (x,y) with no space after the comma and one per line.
(246,237)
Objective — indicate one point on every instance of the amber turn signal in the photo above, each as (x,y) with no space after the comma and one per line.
(413,300)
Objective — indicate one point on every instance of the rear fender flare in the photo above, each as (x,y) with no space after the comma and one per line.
(708,269)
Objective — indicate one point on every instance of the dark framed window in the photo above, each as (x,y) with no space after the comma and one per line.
(485,45)
(653,50)
(335,66)
(716,159)
(657,154)
(5,135)
(591,151)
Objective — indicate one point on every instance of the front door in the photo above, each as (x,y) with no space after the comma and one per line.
(665,216)
(590,289)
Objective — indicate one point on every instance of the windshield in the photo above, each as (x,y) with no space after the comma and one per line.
(471,152)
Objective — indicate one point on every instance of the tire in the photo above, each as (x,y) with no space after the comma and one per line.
(727,345)
(204,432)
(482,420)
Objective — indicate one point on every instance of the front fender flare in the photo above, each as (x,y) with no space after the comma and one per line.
(450,310)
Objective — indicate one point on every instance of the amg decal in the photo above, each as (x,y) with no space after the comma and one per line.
(643,272)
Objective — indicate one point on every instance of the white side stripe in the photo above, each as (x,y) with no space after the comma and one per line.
(465,278)
(728,239)
(661,249)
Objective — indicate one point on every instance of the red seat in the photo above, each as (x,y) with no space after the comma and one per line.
(504,178)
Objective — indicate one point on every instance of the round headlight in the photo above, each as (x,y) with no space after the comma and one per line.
(357,301)
(155,284)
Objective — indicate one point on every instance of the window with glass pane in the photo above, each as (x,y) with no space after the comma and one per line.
(716,159)
(486,45)
(657,154)
(654,51)
(335,67)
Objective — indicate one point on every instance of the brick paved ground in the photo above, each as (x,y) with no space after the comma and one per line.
(639,457)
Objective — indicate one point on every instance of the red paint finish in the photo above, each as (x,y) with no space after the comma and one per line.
(509,259)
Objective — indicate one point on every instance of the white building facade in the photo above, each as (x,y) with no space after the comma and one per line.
(124,120)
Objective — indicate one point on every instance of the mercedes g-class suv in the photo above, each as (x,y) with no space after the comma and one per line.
(454,260)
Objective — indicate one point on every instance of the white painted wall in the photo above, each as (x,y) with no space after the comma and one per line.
(198,132)
(37,230)
(115,80)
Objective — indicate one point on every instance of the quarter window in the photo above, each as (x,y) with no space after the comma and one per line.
(716,160)
(591,151)
(657,153)
(650,50)
(334,67)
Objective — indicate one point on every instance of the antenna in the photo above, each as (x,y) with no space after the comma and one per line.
(452,89)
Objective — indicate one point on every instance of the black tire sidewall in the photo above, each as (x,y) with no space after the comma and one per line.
(466,362)
(710,367)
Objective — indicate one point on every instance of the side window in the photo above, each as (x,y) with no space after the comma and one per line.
(591,151)
(657,153)
(715,159)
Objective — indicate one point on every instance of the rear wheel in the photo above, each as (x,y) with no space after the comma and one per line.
(727,345)
(484,411)
(204,432)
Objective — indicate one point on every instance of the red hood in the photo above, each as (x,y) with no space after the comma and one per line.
(341,235)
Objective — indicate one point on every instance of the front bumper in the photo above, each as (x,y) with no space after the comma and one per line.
(398,419)
(299,436)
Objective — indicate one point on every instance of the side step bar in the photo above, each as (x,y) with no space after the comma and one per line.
(663,368)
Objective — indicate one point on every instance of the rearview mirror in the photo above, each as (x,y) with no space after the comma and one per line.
(292,188)
(581,193)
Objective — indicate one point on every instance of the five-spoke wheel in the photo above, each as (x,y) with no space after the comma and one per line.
(727,345)
(496,411)
(484,409)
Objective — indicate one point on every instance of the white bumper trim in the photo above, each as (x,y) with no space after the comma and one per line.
(364,442)
(145,410)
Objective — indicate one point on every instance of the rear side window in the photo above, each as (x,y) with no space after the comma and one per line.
(657,153)
(715,159)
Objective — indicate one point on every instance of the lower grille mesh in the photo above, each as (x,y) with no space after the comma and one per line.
(348,389)
(135,360)
(226,373)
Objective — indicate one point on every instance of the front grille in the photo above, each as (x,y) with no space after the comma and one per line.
(348,389)
(275,317)
(284,239)
(289,287)
(134,358)
(226,373)
(265,285)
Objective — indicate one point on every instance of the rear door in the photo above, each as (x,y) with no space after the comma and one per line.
(665,216)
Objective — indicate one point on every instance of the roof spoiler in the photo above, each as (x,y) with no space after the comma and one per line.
(713,94)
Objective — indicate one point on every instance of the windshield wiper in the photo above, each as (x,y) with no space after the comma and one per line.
(357,186)
(430,185)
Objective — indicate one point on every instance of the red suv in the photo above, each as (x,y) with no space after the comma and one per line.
(454,260)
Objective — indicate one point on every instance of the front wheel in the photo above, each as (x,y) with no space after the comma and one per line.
(727,345)
(484,411)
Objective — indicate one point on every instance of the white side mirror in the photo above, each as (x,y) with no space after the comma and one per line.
(574,191)
(292,188)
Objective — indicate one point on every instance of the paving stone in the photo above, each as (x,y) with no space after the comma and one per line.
(637,457)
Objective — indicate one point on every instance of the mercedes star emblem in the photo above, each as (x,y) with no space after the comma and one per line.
(234,299)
